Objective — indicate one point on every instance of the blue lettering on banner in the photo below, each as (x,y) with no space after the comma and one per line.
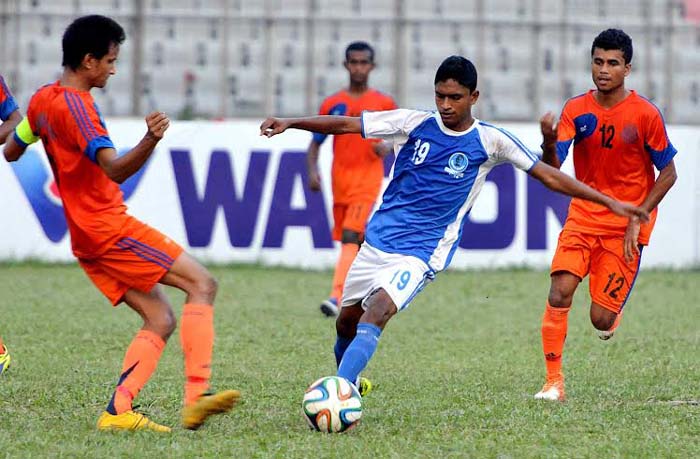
(282,215)
(241,210)
(500,233)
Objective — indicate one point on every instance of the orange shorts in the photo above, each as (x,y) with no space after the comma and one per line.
(611,277)
(138,260)
(351,217)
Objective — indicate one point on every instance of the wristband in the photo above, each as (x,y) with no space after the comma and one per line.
(24,134)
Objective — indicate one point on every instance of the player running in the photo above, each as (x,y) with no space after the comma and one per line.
(358,168)
(441,165)
(10,116)
(619,137)
(125,258)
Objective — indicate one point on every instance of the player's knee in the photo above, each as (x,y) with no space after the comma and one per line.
(380,311)
(345,327)
(163,324)
(559,298)
(206,287)
(602,319)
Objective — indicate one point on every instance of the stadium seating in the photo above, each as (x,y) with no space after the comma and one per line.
(213,58)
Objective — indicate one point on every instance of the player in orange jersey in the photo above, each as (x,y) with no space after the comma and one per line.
(124,258)
(9,114)
(619,137)
(357,170)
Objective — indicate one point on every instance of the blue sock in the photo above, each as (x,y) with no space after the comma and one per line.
(341,344)
(359,351)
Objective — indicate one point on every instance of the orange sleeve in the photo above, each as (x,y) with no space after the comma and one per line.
(86,125)
(656,141)
(325,106)
(566,131)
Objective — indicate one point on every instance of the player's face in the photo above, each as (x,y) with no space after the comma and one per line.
(358,65)
(105,67)
(609,69)
(454,102)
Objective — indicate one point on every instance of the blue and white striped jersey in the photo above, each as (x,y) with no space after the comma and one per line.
(437,175)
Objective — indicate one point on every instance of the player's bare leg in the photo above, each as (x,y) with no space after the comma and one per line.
(349,317)
(197,340)
(351,241)
(140,361)
(604,320)
(379,309)
(554,329)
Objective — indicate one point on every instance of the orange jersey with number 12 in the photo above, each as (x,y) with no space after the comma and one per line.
(615,152)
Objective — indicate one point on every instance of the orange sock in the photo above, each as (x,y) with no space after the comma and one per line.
(554,326)
(197,339)
(348,252)
(140,362)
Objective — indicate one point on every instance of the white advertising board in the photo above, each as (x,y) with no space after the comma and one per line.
(231,196)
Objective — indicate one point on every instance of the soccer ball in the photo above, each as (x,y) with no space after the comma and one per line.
(332,404)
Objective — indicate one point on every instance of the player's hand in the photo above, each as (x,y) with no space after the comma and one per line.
(157,123)
(631,242)
(273,126)
(548,127)
(382,148)
(628,210)
(314,180)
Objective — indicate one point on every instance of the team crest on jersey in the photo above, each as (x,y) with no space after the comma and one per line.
(457,164)
(630,134)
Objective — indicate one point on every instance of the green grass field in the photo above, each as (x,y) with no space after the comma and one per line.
(454,374)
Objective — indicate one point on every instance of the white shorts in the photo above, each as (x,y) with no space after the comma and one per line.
(401,276)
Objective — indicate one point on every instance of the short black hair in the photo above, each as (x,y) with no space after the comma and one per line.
(93,35)
(457,68)
(359,46)
(614,39)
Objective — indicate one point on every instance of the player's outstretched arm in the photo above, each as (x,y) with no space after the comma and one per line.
(120,168)
(323,124)
(556,180)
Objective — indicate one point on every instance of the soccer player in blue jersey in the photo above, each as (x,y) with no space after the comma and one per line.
(442,159)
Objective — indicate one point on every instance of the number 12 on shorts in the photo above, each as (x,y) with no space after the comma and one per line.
(617,284)
(402,280)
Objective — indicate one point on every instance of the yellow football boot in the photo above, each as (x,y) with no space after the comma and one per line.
(129,420)
(5,360)
(194,415)
(364,387)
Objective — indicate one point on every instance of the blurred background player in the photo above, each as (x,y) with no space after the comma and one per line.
(9,114)
(125,258)
(357,170)
(441,165)
(619,137)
